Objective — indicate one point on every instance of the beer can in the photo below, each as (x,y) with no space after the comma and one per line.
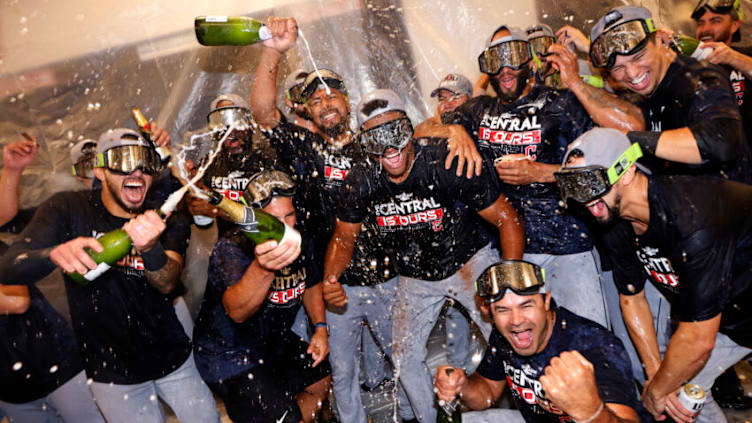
(692,397)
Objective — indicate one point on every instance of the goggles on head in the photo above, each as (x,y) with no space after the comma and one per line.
(513,54)
(395,133)
(294,93)
(540,45)
(221,118)
(266,185)
(625,38)
(126,159)
(717,6)
(84,167)
(522,277)
(584,184)
(315,85)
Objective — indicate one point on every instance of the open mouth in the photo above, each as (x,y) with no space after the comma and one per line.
(330,117)
(134,190)
(508,82)
(393,158)
(522,339)
(706,37)
(639,83)
(597,208)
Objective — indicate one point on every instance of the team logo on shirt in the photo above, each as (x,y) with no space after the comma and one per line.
(336,166)
(132,264)
(409,212)
(659,268)
(738,82)
(231,186)
(512,130)
(525,387)
(287,286)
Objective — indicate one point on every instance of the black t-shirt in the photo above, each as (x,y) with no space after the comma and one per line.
(225,348)
(693,93)
(540,125)
(418,221)
(697,250)
(613,373)
(229,174)
(127,330)
(742,86)
(320,169)
(38,352)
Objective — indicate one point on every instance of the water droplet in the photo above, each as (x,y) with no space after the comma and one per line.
(24,31)
(59,121)
(17,366)
(630,288)
(53,369)
(153,398)
(23,20)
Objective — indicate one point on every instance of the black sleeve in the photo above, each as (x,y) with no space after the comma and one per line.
(703,261)
(629,276)
(492,365)
(469,115)
(354,195)
(175,237)
(28,259)
(314,273)
(574,120)
(478,192)
(19,221)
(288,140)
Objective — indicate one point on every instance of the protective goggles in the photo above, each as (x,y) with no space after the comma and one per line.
(522,277)
(294,93)
(84,167)
(624,39)
(584,184)
(220,119)
(540,45)
(126,159)
(266,185)
(315,84)
(717,6)
(395,134)
(512,54)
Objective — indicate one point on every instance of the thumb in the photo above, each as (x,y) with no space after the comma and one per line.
(331,280)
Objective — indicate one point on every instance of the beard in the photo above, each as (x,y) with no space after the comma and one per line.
(519,88)
(116,195)
(721,38)
(613,212)
(335,131)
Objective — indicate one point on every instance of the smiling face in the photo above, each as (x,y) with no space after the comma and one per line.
(643,71)
(395,162)
(448,101)
(606,207)
(329,111)
(124,194)
(525,321)
(510,84)
(713,26)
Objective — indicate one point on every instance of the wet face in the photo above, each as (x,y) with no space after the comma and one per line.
(509,84)
(282,208)
(128,191)
(395,162)
(716,27)
(448,101)
(235,141)
(329,111)
(525,321)
(606,207)
(642,72)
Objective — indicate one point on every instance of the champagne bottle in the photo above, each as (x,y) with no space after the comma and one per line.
(116,244)
(145,128)
(689,46)
(448,412)
(229,30)
(256,224)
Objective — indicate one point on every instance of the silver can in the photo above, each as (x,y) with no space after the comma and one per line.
(692,397)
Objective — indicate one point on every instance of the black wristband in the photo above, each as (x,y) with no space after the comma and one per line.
(155,257)
(648,140)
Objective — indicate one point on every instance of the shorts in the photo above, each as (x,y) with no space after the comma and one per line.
(267,392)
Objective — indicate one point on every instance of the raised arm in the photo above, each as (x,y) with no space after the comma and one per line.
(16,156)
(264,91)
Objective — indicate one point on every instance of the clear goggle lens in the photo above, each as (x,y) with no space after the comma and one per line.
(540,45)
(582,184)
(395,134)
(264,186)
(522,277)
(623,39)
(126,159)
(513,54)
(84,167)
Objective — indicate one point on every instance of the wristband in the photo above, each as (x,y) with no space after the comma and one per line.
(321,325)
(155,257)
(591,418)
(648,140)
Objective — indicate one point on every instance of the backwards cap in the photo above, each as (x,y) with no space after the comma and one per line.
(601,147)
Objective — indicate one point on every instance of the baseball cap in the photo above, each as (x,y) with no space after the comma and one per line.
(83,148)
(539,30)
(515,34)
(294,84)
(619,16)
(601,147)
(313,83)
(390,101)
(723,7)
(236,100)
(267,184)
(456,83)
(120,137)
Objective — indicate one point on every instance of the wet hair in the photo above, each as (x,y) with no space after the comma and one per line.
(369,107)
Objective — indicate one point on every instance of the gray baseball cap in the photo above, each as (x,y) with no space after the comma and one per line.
(539,30)
(618,16)
(601,147)
(83,148)
(235,99)
(391,101)
(119,137)
(456,83)
(515,34)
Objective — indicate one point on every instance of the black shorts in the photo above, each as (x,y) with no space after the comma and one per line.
(267,392)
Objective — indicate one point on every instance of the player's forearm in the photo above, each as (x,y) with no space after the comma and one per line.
(313,301)
(479,394)
(9,180)
(339,253)
(639,321)
(243,299)
(511,228)
(264,90)
(163,274)
(607,109)
(14,299)
(742,63)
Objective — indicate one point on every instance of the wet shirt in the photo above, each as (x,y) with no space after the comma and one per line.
(38,352)
(693,93)
(697,250)
(418,221)
(540,125)
(320,170)
(224,348)
(127,330)
(613,373)
(742,86)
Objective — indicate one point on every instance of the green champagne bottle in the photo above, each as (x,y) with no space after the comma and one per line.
(449,412)
(258,225)
(229,30)
(145,128)
(688,46)
(116,245)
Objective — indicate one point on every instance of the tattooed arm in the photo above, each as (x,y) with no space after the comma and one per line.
(165,279)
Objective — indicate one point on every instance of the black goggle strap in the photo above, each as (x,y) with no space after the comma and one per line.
(522,277)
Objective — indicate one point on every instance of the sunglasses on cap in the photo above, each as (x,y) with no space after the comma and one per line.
(126,159)
(716,6)
(522,277)
(393,134)
(512,54)
(624,39)
(585,184)
(266,185)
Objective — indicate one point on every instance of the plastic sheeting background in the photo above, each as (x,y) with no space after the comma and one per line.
(70,70)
